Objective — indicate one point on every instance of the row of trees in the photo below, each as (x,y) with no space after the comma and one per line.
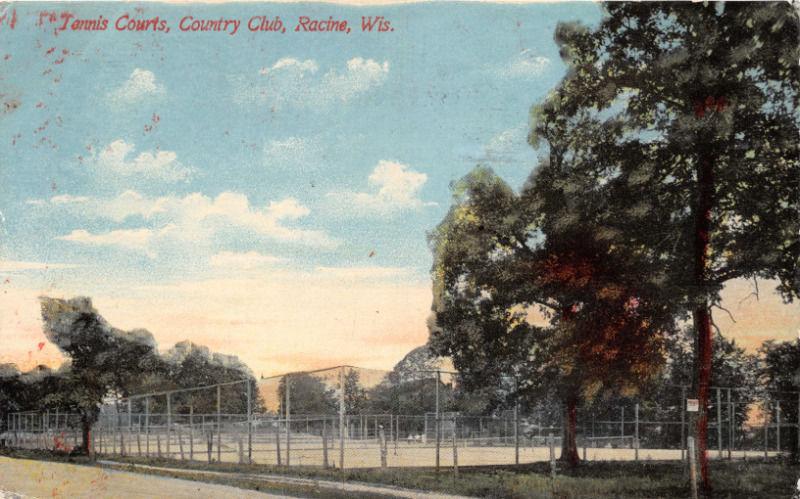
(409,389)
(669,167)
(103,361)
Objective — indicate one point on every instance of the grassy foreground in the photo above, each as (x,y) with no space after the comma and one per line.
(736,480)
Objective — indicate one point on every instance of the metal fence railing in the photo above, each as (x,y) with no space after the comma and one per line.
(346,417)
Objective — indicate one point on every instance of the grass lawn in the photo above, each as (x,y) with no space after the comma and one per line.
(756,478)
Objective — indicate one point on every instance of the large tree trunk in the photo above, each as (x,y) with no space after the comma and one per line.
(569,446)
(702,313)
(86,434)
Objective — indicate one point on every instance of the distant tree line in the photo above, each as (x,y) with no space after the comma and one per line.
(106,362)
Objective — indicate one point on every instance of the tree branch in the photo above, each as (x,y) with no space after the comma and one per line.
(724,310)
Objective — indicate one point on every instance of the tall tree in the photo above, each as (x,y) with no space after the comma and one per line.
(103,360)
(308,395)
(355,395)
(498,256)
(689,113)
(190,365)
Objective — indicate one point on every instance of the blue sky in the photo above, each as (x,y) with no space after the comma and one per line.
(260,186)
(302,116)
(140,166)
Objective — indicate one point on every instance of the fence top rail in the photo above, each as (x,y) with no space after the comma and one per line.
(179,390)
(735,388)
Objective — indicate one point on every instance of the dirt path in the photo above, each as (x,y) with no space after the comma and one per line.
(322,484)
(39,479)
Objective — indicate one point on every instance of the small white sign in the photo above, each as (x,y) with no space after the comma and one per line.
(692,405)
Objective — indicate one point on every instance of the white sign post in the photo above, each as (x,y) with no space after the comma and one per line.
(692,405)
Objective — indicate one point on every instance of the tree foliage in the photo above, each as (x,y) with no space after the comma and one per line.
(687,113)
(501,257)
(104,361)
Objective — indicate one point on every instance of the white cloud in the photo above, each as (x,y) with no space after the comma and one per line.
(18,266)
(247,260)
(66,198)
(508,146)
(358,273)
(397,189)
(138,240)
(360,76)
(526,64)
(139,85)
(292,152)
(127,204)
(291,64)
(117,160)
(292,82)
(193,219)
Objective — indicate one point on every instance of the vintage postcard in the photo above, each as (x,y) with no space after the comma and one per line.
(400,249)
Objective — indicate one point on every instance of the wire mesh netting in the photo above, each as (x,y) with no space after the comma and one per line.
(347,417)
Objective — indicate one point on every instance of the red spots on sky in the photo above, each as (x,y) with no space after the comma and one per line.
(154,120)
(11,105)
(40,345)
(50,51)
(7,57)
(42,127)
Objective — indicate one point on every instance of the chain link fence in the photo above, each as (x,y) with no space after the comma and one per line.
(347,417)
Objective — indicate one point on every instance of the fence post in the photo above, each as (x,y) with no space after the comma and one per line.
(636,432)
(719,423)
(191,433)
(455,447)
(766,430)
(731,424)
(180,442)
(622,425)
(516,421)
(341,418)
(551,445)
(209,440)
(249,425)
(158,444)
(778,426)
(692,468)
(324,442)
(278,437)
(438,377)
(241,449)
(121,440)
(682,405)
(382,437)
(169,424)
(147,426)
(286,383)
(219,424)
